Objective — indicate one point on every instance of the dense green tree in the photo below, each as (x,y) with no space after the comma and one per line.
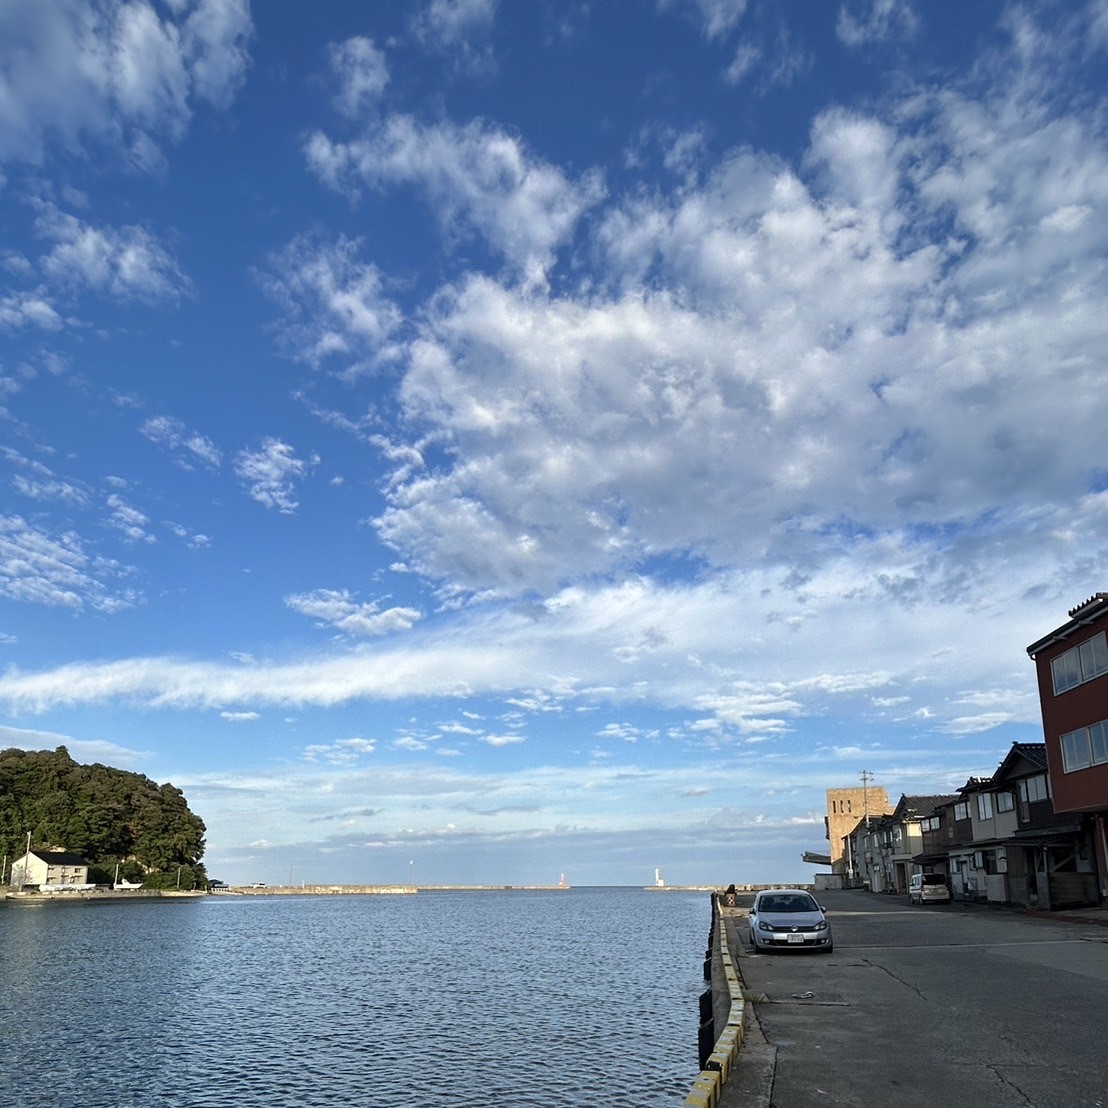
(109,816)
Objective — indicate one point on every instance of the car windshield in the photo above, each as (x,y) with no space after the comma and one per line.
(788,903)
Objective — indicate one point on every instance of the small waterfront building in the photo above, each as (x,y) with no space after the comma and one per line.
(49,869)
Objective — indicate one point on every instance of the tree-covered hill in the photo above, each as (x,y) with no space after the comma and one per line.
(107,815)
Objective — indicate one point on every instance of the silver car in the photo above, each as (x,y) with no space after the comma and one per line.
(789,919)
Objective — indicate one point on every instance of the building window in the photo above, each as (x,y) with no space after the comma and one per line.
(1080,663)
(984,806)
(929,824)
(1087,746)
(1005,802)
(1033,789)
(961,810)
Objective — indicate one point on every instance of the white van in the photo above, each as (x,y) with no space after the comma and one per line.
(928,888)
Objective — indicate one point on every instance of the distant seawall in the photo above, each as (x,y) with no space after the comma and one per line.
(373,890)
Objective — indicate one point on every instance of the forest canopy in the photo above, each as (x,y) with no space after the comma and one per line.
(109,816)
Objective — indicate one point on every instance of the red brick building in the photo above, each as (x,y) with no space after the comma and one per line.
(1072,667)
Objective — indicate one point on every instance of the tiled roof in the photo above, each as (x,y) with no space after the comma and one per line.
(1089,612)
(59,858)
(919,807)
(1033,752)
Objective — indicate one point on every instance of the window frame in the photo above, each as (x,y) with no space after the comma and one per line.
(1081,663)
(1084,747)
(1025,789)
(984,806)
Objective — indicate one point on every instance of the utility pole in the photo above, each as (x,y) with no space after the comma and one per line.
(867,853)
(26,864)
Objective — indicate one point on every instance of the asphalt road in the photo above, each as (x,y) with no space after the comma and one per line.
(942,1005)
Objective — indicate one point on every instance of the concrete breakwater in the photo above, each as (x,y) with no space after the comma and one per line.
(70,895)
(373,890)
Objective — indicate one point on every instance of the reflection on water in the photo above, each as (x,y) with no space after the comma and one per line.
(529,999)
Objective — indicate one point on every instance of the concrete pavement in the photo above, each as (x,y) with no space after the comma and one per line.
(752,1081)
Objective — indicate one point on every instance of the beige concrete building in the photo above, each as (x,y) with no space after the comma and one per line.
(846,808)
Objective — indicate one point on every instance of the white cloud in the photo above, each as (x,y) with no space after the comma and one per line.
(362,72)
(861,22)
(194,539)
(338,609)
(126,262)
(43,485)
(458,30)
(81,750)
(478,178)
(342,752)
(336,310)
(128,520)
(187,447)
(784,359)
(729,655)
(717,17)
(75,73)
(502,740)
(55,570)
(28,309)
(269,474)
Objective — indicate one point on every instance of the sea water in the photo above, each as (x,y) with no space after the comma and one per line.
(529,999)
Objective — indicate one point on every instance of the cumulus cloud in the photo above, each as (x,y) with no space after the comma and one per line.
(786,357)
(80,72)
(270,473)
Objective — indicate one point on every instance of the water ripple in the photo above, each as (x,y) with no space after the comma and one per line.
(534,1000)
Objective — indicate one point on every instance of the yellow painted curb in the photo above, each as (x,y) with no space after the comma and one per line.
(708,1086)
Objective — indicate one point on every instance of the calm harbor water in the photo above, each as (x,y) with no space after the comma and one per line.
(469,999)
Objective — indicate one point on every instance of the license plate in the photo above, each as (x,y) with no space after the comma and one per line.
(794,938)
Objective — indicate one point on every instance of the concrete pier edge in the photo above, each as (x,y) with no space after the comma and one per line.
(708,1087)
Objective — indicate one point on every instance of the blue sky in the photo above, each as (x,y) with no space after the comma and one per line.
(487,440)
